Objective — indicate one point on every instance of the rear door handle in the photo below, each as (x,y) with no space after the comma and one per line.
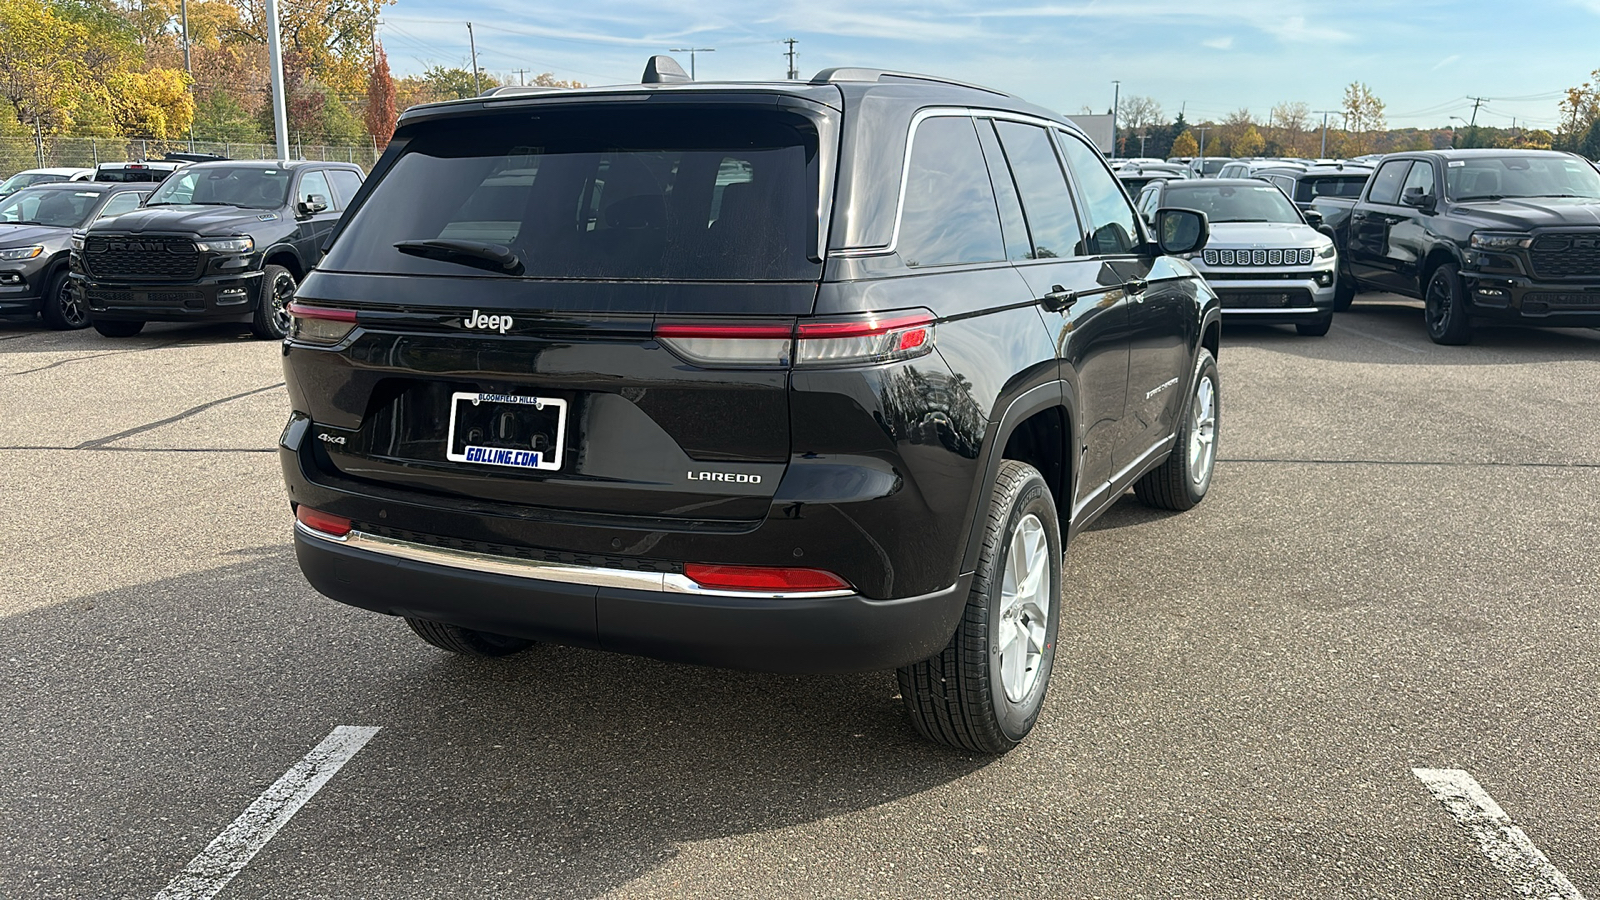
(1059,299)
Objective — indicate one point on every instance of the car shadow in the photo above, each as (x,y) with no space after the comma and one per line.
(563,772)
(19,335)
(1129,511)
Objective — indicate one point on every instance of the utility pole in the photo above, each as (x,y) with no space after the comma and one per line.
(1325,114)
(477,87)
(38,140)
(1116,100)
(1202,129)
(794,74)
(184,13)
(1141,143)
(280,108)
(1476,102)
(692,51)
(522,77)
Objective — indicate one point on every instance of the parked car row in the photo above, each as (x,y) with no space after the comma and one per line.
(214,241)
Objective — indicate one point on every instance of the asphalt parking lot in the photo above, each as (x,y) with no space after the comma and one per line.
(1396,569)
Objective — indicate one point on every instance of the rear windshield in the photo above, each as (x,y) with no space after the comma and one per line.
(1348,186)
(1233,203)
(127,176)
(615,194)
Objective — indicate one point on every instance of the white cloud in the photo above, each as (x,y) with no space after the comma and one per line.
(1221,43)
(1445,62)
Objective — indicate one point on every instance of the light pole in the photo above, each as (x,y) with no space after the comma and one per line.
(1453,130)
(477,87)
(1116,100)
(1201,169)
(280,109)
(692,51)
(1325,114)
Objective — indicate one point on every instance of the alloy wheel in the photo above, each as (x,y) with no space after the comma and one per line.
(282,293)
(1024,608)
(1436,305)
(71,306)
(1203,430)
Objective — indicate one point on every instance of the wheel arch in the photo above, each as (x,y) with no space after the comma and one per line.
(1438,256)
(286,257)
(1036,427)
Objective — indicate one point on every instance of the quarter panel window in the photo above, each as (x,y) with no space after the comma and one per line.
(949,214)
(1386,184)
(1111,219)
(348,183)
(1018,244)
(1046,197)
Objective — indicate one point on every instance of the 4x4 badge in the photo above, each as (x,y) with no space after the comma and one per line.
(501,324)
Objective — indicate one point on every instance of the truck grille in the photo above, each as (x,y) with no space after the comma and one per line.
(1537,301)
(1571,254)
(1294,257)
(141,258)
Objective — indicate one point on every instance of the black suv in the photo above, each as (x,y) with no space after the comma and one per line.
(217,241)
(36,227)
(800,377)
(1489,235)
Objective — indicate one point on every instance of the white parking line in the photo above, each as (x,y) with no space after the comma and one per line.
(1508,847)
(226,856)
(1368,335)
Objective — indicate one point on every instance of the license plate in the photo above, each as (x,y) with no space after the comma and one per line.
(507,430)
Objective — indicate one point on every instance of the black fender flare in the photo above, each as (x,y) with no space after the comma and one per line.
(286,250)
(1017,410)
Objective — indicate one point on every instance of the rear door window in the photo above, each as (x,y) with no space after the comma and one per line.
(1386,184)
(1045,195)
(345,184)
(948,213)
(616,193)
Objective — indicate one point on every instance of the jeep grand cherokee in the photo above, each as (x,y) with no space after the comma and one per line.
(800,377)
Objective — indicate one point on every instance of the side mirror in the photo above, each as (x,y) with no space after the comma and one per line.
(1181,231)
(312,205)
(1313,218)
(1415,197)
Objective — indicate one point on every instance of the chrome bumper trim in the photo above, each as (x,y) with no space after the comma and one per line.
(664,582)
(1294,310)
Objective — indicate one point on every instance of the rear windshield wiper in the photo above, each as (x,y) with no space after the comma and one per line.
(478,254)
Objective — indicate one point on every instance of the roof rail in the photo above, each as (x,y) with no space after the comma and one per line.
(852,73)
(506,90)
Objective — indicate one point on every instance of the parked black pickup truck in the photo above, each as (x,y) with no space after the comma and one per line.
(218,241)
(1482,235)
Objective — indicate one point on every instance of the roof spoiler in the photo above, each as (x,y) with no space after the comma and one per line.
(663,70)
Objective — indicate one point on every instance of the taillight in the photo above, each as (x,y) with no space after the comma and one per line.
(730,346)
(760,579)
(320,325)
(859,340)
(852,342)
(325,523)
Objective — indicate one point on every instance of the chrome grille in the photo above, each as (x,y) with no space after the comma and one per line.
(137,258)
(1303,256)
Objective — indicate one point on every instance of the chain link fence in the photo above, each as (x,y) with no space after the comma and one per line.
(18,153)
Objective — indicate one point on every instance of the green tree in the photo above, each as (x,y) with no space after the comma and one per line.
(218,116)
(1249,143)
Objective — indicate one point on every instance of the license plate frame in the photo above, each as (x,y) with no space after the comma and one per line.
(483,452)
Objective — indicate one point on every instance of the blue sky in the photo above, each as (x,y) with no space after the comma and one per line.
(1423,58)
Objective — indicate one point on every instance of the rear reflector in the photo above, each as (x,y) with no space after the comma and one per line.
(316,520)
(764,580)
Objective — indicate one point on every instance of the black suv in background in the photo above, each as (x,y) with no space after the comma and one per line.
(1330,192)
(36,226)
(217,241)
(1509,236)
(682,371)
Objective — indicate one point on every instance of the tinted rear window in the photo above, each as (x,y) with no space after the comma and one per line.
(618,193)
(1348,186)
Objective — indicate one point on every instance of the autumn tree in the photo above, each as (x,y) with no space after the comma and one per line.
(1186,145)
(1289,127)
(1232,128)
(1249,143)
(1136,116)
(381,114)
(154,104)
(1363,115)
(1579,110)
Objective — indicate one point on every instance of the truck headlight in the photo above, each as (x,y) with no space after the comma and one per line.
(226,245)
(17,253)
(1500,240)
(77,240)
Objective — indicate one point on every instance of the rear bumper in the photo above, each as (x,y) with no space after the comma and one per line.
(834,633)
(224,298)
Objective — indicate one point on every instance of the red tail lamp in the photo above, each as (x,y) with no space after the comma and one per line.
(764,580)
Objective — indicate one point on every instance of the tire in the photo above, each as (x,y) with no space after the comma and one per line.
(117,329)
(1445,307)
(271,319)
(1344,292)
(466,641)
(984,690)
(1181,482)
(1315,329)
(63,308)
